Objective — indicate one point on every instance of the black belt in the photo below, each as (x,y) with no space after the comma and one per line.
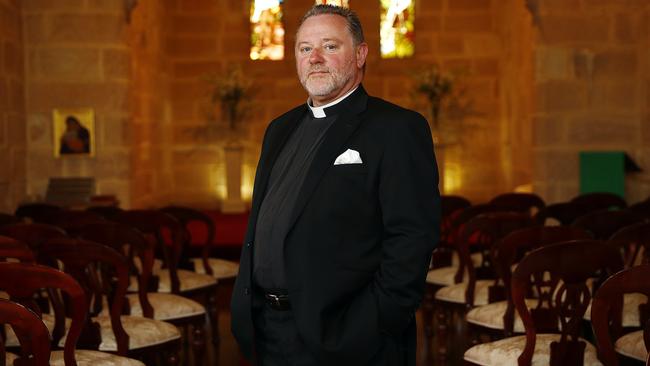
(277,299)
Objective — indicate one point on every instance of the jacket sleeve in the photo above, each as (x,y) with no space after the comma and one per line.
(410,209)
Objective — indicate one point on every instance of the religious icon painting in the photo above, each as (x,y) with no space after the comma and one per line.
(74,132)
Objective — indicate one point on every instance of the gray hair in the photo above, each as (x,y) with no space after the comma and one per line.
(351,18)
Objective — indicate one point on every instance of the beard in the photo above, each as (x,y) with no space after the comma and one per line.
(326,83)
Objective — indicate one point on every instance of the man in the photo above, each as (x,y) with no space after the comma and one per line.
(344,218)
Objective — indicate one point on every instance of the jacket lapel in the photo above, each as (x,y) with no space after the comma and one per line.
(285,128)
(346,123)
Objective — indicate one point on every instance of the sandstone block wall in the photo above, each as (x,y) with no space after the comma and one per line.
(12,108)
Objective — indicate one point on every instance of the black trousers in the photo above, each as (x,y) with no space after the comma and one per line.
(277,341)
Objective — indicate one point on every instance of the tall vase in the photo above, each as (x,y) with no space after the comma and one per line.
(233,203)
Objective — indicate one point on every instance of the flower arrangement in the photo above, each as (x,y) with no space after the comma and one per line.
(436,86)
(230,90)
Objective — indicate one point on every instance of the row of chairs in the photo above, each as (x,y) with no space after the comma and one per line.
(478,237)
(144,232)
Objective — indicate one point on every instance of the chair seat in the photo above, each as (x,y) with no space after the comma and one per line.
(505,352)
(221,268)
(443,276)
(143,332)
(188,281)
(166,306)
(86,358)
(631,304)
(48,320)
(491,315)
(632,345)
(456,293)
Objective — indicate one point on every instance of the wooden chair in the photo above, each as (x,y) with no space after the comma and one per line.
(642,208)
(72,222)
(103,274)
(559,275)
(39,212)
(450,204)
(519,202)
(498,319)
(220,269)
(185,313)
(22,280)
(480,287)
(604,223)
(600,201)
(32,334)
(200,287)
(607,305)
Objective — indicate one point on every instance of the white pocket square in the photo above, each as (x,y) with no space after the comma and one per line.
(348,157)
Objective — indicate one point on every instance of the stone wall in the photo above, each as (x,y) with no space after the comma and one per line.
(12,107)
(591,84)
(77,57)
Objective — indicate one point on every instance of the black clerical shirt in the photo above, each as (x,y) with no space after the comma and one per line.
(285,181)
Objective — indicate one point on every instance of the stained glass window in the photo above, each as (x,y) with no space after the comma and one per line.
(396,28)
(267,36)
(342,3)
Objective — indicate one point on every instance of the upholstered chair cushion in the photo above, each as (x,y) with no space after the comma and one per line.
(221,268)
(86,358)
(505,352)
(48,320)
(456,293)
(443,276)
(166,306)
(491,315)
(188,281)
(631,304)
(631,345)
(143,332)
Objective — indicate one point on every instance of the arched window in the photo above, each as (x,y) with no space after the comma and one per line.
(267,30)
(396,28)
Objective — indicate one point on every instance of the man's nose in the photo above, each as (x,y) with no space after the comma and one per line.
(315,56)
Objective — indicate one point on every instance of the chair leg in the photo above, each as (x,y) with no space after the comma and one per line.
(213,310)
(442,319)
(198,343)
(172,355)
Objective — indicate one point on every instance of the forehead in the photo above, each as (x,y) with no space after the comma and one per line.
(324,26)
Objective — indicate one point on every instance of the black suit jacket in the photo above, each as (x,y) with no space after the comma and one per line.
(358,250)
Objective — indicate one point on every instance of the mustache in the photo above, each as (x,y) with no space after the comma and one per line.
(318,69)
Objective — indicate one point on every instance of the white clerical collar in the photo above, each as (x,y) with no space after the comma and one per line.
(319,112)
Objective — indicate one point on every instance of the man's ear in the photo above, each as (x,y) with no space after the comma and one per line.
(362,53)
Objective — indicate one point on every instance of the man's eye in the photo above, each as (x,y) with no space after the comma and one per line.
(305,49)
(330,47)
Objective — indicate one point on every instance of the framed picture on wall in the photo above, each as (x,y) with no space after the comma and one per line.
(74,132)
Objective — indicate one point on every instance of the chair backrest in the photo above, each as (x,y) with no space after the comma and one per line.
(107,212)
(519,202)
(130,242)
(559,274)
(12,248)
(72,221)
(154,224)
(39,212)
(642,208)
(31,332)
(22,280)
(7,219)
(514,246)
(451,203)
(608,304)
(634,241)
(103,273)
(564,213)
(32,234)
(603,224)
(600,201)
(481,233)
(188,216)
